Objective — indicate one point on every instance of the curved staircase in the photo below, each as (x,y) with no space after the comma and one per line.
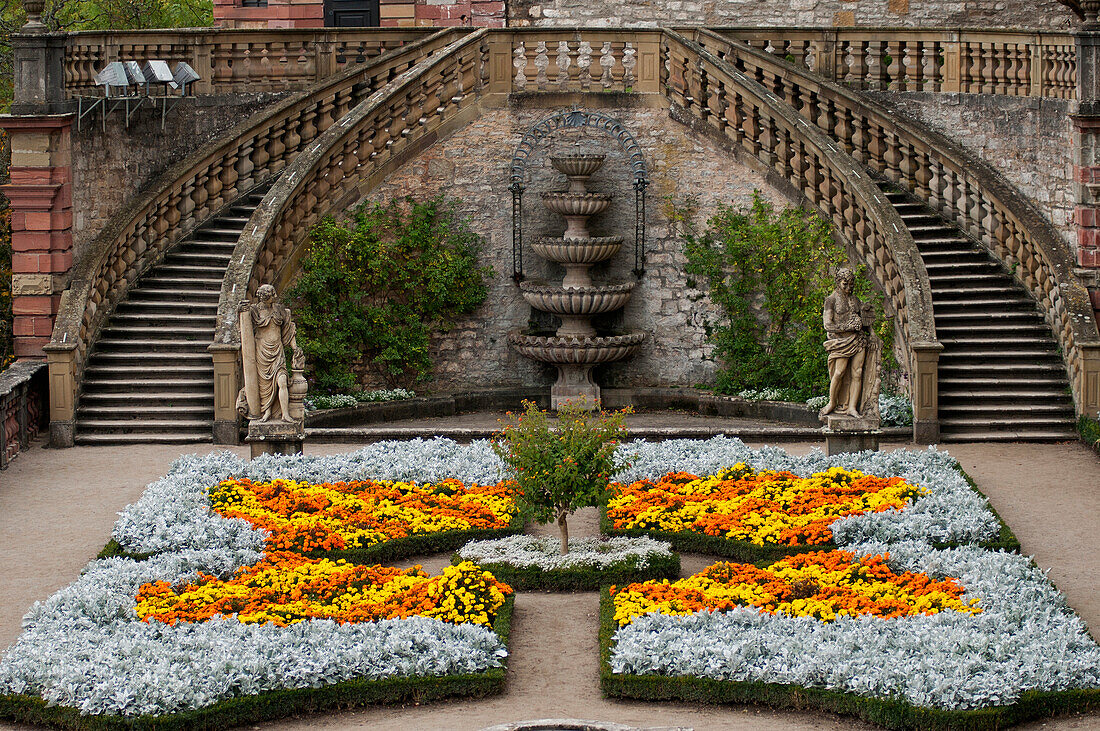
(1001,376)
(149,377)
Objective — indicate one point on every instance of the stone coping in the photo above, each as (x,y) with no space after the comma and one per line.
(370,421)
(19,373)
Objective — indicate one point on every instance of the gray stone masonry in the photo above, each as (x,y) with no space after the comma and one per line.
(473,167)
(110,168)
(1029,141)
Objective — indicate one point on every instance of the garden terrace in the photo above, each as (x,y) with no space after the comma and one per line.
(323,149)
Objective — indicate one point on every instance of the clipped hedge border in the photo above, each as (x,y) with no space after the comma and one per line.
(395,550)
(892,714)
(746,552)
(582,578)
(278,704)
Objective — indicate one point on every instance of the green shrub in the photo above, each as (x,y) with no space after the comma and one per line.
(1089,429)
(769,272)
(374,291)
(564,467)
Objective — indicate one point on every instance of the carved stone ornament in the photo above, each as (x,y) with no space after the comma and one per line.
(855,358)
(272,392)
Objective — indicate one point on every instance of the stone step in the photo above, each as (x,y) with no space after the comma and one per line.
(952,317)
(922,233)
(152,386)
(176,294)
(158,334)
(996,341)
(997,357)
(1006,411)
(1009,301)
(189,271)
(139,398)
(988,383)
(115,344)
(199,259)
(958,369)
(237,222)
(136,412)
(946,268)
(1008,434)
(158,358)
(951,256)
(950,291)
(165,437)
(104,372)
(156,306)
(156,281)
(918,217)
(165,320)
(216,234)
(996,393)
(968,280)
(123,426)
(1037,420)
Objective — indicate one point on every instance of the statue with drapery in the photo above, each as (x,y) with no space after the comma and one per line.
(271,391)
(855,353)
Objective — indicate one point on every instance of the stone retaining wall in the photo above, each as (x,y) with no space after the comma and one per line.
(473,166)
(1029,141)
(907,13)
(110,167)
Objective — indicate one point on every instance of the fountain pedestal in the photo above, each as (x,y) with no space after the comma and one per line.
(576,348)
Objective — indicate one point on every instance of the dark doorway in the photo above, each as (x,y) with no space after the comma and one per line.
(351,13)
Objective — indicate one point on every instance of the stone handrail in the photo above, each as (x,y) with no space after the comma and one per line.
(191,192)
(975,61)
(397,121)
(234,60)
(956,183)
(22,407)
(582,59)
(713,94)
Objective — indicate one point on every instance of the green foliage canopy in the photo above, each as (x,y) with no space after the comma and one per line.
(769,271)
(374,291)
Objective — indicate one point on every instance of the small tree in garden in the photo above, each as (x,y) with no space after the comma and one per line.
(564,467)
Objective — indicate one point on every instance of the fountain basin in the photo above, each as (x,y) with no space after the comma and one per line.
(577,164)
(576,301)
(578,251)
(576,204)
(576,351)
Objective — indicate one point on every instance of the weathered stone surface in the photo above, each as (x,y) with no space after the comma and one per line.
(998,13)
(1029,141)
(473,166)
(110,167)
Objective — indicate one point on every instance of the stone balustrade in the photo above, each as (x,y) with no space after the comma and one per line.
(959,185)
(23,408)
(582,59)
(1016,63)
(370,140)
(230,61)
(710,92)
(188,194)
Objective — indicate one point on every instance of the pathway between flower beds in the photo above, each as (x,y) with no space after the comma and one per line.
(57,509)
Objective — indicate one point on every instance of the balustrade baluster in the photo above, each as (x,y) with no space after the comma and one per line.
(703,95)
(905,163)
(798,163)
(721,108)
(989,85)
(859,71)
(561,66)
(752,130)
(823,112)
(519,62)
(737,109)
(876,148)
(812,179)
(1023,70)
(842,129)
(860,140)
(211,190)
(876,73)
(180,205)
(607,61)
(542,62)
(893,63)
(230,192)
(921,173)
(276,147)
(630,61)
(767,138)
(584,64)
(783,153)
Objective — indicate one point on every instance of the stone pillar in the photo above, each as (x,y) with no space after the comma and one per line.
(1086,157)
(227,428)
(40,193)
(924,388)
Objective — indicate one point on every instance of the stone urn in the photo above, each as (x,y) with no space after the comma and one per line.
(576,348)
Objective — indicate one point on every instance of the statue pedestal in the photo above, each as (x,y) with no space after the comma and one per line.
(850,434)
(276,437)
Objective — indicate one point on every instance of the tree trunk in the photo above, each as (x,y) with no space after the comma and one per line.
(564,527)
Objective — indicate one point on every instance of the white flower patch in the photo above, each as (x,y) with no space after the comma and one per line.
(950,513)
(1026,638)
(545,553)
(174,512)
(86,648)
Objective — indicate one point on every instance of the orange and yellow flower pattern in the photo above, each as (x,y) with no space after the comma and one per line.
(821,584)
(285,588)
(305,517)
(766,507)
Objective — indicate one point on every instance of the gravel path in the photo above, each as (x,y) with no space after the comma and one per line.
(57,509)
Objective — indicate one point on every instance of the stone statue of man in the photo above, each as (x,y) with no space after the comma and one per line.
(854,352)
(267,330)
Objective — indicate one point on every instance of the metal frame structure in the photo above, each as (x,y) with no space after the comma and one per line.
(573,119)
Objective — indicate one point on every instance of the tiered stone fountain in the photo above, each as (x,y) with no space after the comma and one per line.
(576,347)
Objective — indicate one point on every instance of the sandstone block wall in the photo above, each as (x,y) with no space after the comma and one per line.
(1029,141)
(111,167)
(473,167)
(908,13)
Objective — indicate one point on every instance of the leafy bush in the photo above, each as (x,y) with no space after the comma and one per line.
(345,400)
(374,292)
(564,467)
(769,272)
(1089,429)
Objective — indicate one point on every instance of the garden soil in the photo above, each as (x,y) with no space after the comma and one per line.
(57,508)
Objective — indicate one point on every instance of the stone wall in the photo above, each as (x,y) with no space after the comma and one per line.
(907,13)
(1029,141)
(473,167)
(110,167)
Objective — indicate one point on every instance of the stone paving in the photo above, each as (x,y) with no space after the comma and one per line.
(57,509)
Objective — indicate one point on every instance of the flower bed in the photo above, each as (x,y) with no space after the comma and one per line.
(229,634)
(1025,654)
(527,562)
(872,496)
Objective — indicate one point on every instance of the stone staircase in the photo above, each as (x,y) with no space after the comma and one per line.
(149,377)
(1001,376)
